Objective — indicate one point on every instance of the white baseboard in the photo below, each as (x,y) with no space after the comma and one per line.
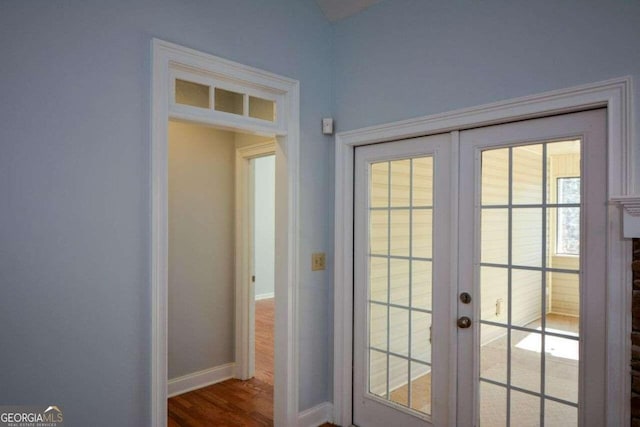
(313,417)
(199,379)
(265,296)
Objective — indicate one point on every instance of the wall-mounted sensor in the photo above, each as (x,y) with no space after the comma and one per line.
(327,126)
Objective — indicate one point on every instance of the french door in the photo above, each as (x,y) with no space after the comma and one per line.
(479,276)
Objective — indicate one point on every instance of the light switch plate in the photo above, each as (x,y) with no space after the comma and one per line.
(317,261)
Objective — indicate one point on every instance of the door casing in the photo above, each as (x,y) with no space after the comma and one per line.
(194,66)
(245,292)
(615,95)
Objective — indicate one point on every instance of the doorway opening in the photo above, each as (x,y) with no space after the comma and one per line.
(216,177)
(263,276)
(196,87)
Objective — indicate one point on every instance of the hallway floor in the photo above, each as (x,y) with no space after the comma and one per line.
(234,402)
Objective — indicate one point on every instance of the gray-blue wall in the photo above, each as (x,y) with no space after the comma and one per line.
(75,189)
(74,152)
(409,58)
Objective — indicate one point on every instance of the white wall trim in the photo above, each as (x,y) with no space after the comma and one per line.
(244,295)
(268,295)
(200,379)
(630,214)
(318,415)
(615,95)
(165,58)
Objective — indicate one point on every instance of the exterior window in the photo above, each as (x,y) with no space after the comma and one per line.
(568,219)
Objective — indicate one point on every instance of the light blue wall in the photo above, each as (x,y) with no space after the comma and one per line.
(74,152)
(408,58)
(75,189)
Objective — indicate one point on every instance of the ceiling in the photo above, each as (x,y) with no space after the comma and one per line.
(336,10)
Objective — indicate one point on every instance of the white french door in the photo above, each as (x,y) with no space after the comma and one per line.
(507,329)
(402,199)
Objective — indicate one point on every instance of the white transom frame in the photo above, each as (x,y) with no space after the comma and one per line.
(179,72)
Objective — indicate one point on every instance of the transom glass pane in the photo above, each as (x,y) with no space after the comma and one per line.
(193,94)
(264,109)
(229,102)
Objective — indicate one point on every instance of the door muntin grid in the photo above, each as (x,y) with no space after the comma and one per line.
(529,292)
(399,290)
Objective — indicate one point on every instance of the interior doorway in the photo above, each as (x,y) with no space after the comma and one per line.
(192,86)
(221,206)
(263,276)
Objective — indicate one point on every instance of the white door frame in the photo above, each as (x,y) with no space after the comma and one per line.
(613,94)
(245,291)
(168,61)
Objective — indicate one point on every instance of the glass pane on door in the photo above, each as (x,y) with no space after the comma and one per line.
(530,284)
(399,282)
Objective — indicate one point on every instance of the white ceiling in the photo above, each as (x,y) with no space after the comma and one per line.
(336,10)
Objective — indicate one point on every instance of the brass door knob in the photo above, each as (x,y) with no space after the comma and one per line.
(465,297)
(464,322)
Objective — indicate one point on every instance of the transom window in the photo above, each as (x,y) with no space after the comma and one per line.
(209,96)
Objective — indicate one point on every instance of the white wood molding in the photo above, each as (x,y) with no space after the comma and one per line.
(287,360)
(244,295)
(268,295)
(630,206)
(159,234)
(224,121)
(167,58)
(318,415)
(616,96)
(343,285)
(200,379)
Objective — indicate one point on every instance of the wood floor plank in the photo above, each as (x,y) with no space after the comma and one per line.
(264,315)
(235,403)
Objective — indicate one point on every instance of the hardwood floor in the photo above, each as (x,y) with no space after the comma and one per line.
(229,403)
(265,313)
(234,402)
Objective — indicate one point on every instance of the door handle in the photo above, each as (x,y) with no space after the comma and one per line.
(464,322)
(465,297)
